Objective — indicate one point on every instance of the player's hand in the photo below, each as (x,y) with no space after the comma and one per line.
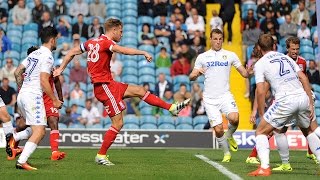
(253,117)
(57,72)
(57,103)
(202,70)
(148,57)
(250,70)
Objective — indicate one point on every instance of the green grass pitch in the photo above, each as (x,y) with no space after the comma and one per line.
(149,164)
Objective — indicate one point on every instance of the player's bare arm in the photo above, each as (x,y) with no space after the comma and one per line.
(131,51)
(306,86)
(44,81)
(255,103)
(196,73)
(57,85)
(66,60)
(261,96)
(243,71)
(18,75)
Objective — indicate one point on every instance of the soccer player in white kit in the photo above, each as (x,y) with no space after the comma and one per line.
(293,99)
(38,67)
(216,64)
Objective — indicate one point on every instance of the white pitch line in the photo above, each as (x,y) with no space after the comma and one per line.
(219,167)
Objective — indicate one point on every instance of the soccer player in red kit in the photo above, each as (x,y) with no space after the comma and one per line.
(52,114)
(108,91)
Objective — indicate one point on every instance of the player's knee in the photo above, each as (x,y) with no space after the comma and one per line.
(53,123)
(117,124)
(140,92)
(219,130)
(5,117)
(233,118)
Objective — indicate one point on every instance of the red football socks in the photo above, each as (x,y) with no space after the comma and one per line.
(54,140)
(253,152)
(155,101)
(108,139)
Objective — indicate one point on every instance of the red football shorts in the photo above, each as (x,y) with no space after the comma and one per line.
(50,109)
(110,95)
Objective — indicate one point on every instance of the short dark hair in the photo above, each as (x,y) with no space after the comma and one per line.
(31,49)
(183,84)
(47,33)
(303,21)
(146,24)
(89,100)
(311,60)
(292,40)
(266,42)
(80,15)
(216,31)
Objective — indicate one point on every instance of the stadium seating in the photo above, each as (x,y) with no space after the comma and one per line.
(166,71)
(200,120)
(166,126)
(76,126)
(129,71)
(148,126)
(131,119)
(199,126)
(130,126)
(96,126)
(148,120)
(166,120)
(184,127)
(147,110)
(184,120)
(62,126)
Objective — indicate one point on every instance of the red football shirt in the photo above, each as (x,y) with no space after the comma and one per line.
(302,63)
(99,57)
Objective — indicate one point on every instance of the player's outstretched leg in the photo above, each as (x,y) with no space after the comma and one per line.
(283,149)
(146,96)
(54,139)
(222,141)
(232,127)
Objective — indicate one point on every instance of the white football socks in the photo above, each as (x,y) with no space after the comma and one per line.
(28,149)
(283,147)
(314,144)
(231,130)
(223,144)
(25,134)
(263,149)
(7,127)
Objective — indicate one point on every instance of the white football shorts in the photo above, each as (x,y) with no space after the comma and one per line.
(216,106)
(289,109)
(32,108)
